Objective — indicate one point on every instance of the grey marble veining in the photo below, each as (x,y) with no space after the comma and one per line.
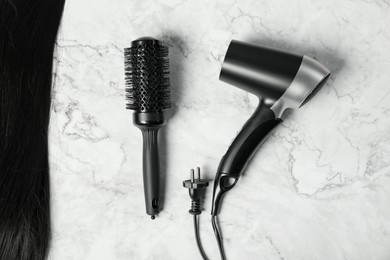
(319,188)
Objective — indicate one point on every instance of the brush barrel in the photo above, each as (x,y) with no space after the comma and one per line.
(149,124)
(248,140)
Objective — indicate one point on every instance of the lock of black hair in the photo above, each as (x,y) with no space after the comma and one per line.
(28,31)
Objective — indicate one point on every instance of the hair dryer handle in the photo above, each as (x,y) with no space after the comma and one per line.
(151,169)
(233,163)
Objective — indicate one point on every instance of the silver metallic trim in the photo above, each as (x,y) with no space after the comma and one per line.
(309,75)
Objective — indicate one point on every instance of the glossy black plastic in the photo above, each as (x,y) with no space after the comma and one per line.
(262,71)
(266,73)
(149,124)
(233,163)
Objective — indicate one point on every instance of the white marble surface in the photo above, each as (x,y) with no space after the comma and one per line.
(319,188)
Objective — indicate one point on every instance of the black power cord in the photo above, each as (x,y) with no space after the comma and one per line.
(196,187)
(197,237)
(218,236)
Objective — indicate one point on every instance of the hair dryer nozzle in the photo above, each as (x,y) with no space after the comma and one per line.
(310,77)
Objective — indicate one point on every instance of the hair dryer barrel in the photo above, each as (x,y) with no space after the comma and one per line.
(262,71)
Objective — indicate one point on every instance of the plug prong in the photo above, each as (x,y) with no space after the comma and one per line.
(192,175)
(198,173)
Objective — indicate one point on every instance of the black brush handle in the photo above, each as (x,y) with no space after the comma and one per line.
(150,123)
(248,140)
(151,169)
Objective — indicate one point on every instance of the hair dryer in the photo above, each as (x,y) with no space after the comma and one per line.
(281,80)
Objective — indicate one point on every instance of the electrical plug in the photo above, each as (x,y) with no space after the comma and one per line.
(196,188)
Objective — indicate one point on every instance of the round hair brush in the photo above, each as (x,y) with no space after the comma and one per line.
(147,93)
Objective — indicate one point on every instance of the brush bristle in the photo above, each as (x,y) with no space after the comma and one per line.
(147,76)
